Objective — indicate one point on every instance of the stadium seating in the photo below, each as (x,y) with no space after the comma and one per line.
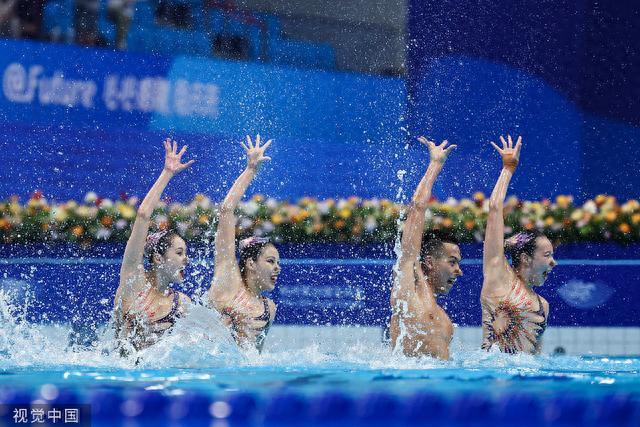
(259,36)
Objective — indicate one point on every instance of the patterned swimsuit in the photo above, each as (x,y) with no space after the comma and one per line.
(523,327)
(130,323)
(241,300)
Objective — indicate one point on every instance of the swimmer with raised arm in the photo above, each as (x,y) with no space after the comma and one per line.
(237,287)
(428,267)
(145,306)
(514,316)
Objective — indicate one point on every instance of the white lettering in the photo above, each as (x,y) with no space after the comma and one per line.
(68,93)
(181,101)
(158,95)
(17,86)
(110,93)
(120,93)
(20,86)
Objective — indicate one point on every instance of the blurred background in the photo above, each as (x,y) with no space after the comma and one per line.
(346,83)
(90,88)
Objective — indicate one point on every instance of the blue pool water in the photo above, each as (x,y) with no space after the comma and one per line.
(197,376)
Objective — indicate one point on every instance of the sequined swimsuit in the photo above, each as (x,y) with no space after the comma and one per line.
(523,326)
(241,300)
(131,322)
(173,314)
(264,330)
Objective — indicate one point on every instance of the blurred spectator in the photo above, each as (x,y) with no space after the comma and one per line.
(229,44)
(86,23)
(29,14)
(173,13)
(9,26)
(120,12)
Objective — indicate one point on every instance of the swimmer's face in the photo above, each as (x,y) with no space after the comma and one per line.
(542,261)
(175,260)
(267,268)
(445,268)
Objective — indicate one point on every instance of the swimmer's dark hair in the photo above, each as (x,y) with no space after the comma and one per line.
(433,242)
(159,243)
(251,248)
(521,243)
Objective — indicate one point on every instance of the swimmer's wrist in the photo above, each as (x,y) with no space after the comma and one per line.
(436,163)
(510,164)
(166,172)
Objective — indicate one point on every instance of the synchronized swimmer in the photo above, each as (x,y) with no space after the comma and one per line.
(145,307)
(514,316)
(237,287)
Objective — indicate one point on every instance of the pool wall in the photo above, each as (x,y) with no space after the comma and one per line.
(601,341)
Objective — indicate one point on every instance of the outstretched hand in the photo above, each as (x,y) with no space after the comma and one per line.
(438,153)
(510,154)
(172,158)
(255,152)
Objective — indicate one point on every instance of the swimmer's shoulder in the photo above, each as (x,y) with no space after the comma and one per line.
(272,308)
(545,305)
(499,285)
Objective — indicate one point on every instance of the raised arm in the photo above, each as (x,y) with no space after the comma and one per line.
(132,260)
(227,272)
(494,263)
(414,223)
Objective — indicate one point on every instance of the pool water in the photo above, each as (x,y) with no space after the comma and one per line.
(196,375)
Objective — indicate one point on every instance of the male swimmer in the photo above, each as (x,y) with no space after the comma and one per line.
(428,266)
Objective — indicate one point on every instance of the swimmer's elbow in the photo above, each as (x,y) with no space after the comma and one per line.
(226,208)
(420,205)
(491,263)
(495,205)
(144,213)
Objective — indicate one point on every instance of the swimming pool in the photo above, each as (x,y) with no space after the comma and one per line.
(308,375)
(316,389)
(193,378)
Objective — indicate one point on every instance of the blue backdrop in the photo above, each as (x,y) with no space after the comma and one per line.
(78,120)
(565,74)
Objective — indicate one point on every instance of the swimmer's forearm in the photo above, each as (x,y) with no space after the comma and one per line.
(237,190)
(134,250)
(494,233)
(414,224)
(496,201)
(153,196)
(422,194)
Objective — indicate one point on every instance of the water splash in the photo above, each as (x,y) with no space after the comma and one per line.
(199,340)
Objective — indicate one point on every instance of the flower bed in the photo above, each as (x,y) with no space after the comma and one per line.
(308,220)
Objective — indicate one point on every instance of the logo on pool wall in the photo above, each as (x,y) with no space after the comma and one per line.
(585,295)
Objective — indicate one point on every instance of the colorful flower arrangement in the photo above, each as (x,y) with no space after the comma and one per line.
(342,220)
